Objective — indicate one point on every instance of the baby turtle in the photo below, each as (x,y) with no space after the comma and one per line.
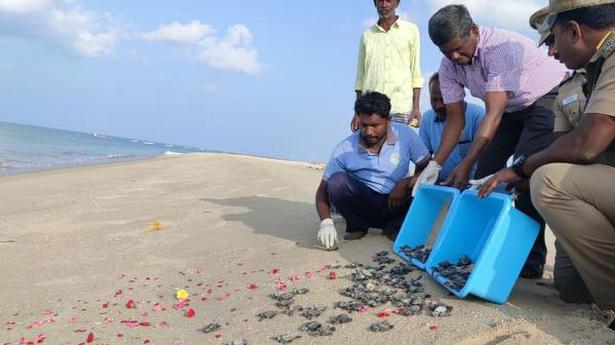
(269,314)
(340,319)
(284,303)
(420,252)
(212,327)
(286,338)
(317,329)
(284,296)
(301,291)
(237,342)
(383,326)
(439,309)
(314,311)
(408,310)
(291,311)
(383,258)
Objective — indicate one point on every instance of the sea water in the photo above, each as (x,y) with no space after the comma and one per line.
(25,148)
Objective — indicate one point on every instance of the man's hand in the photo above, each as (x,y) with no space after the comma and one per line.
(415,117)
(428,176)
(327,235)
(506,176)
(459,177)
(354,124)
(399,195)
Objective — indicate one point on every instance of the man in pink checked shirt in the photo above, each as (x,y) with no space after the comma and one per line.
(518,83)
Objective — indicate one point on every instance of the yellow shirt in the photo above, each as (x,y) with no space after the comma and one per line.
(389,62)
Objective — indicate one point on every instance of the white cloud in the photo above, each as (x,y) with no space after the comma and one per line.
(512,15)
(59,23)
(231,52)
(23,6)
(180,33)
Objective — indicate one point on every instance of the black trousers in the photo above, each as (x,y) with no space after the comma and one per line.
(362,207)
(524,132)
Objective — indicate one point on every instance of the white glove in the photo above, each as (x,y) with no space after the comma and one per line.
(475,184)
(327,235)
(428,176)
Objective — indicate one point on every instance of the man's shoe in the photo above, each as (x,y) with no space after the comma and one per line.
(355,235)
(612,326)
(532,271)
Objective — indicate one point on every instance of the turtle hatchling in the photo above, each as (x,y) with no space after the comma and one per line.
(340,319)
(212,327)
(269,314)
(286,338)
(380,326)
(237,342)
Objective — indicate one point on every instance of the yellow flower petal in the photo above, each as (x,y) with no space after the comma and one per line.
(181,294)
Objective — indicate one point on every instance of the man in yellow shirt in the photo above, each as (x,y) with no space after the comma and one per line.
(389,63)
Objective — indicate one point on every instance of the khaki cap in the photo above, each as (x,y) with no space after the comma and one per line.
(559,6)
(536,21)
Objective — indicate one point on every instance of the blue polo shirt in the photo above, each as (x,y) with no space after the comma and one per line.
(380,172)
(431,134)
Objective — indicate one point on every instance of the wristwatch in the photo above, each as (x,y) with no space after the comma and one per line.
(517,167)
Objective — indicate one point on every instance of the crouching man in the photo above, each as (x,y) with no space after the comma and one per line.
(571,180)
(367,176)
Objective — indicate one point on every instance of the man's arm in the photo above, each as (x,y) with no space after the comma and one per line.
(455,122)
(322,201)
(415,114)
(403,189)
(581,146)
(495,104)
(354,123)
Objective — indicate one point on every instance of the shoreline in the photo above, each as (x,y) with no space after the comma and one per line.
(4,171)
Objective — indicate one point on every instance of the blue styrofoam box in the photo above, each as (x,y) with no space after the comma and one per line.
(497,237)
(421,217)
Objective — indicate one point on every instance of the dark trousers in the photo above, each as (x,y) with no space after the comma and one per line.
(524,132)
(362,207)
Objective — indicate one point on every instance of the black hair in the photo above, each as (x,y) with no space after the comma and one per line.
(596,17)
(448,23)
(373,103)
(434,77)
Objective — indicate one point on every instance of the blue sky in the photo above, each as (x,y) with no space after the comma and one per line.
(268,77)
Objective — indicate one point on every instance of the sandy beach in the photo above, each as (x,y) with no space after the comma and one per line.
(79,256)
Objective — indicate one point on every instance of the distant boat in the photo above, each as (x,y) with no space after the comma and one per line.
(97,135)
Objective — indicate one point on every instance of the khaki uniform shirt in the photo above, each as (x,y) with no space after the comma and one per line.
(601,86)
(570,102)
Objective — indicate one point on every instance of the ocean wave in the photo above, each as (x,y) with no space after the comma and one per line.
(172,153)
(117,156)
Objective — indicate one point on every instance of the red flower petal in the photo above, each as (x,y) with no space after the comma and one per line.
(145,323)
(309,275)
(190,313)
(384,314)
(274,271)
(130,304)
(253,286)
(433,327)
(90,338)
(332,275)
